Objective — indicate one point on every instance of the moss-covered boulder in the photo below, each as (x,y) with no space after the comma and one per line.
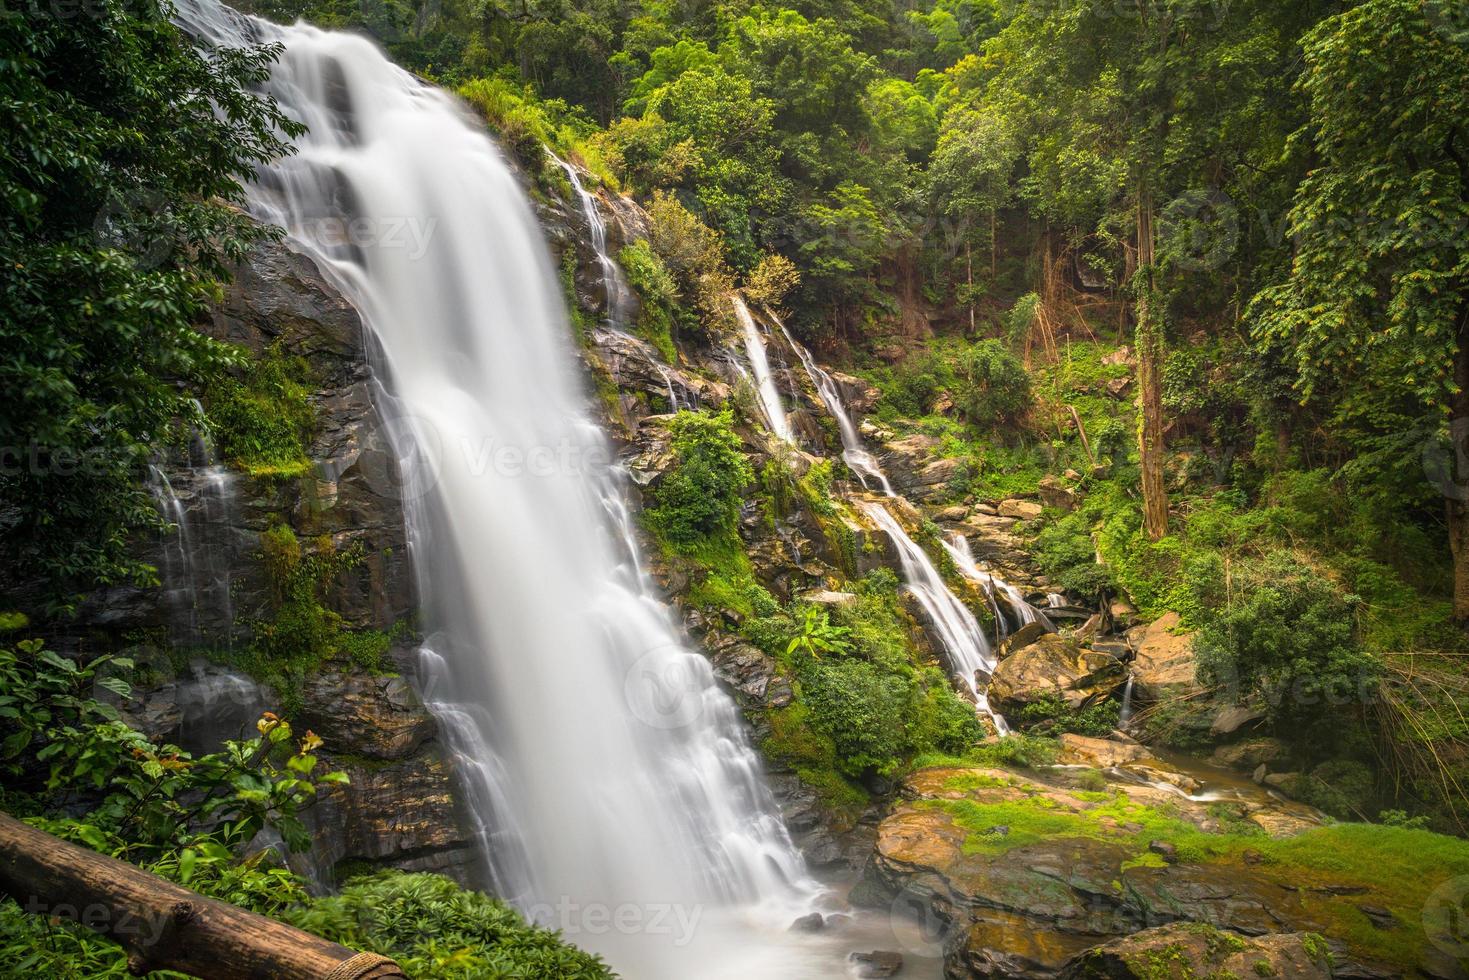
(1184,951)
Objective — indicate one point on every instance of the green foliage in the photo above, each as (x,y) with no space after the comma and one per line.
(302,632)
(991,387)
(120,218)
(1287,633)
(1051,714)
(1065,552)
(261,416)
(149,802)
(818,636)
(438,931)
(860,708)
(657,292)
(700,495)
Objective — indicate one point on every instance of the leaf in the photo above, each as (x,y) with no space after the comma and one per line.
(187,859)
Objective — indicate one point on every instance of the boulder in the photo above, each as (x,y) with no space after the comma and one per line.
(1020,510)
(878,963)
(1100,753)
(1021,638)
(377,717)
(1231,718)
(1249,755)
(1053,494)
(825,597)
(1164,666)
(1196,949)
(1053,665)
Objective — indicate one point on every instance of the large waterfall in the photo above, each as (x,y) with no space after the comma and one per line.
(618,795)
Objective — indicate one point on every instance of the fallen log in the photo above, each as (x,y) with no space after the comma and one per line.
(164,926)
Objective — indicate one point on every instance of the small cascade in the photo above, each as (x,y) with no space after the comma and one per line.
(770,400)
(1125,715)
(614,283)
(854,453)
(198,500)
(1055,600)
(970,654)
(1014,608)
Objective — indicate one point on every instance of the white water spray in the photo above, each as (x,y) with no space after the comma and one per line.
(609,773)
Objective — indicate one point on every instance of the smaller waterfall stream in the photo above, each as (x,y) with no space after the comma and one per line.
(770,401)
(854,453)
(614,283)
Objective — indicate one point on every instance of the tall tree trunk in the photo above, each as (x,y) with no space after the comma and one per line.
(1456,495)
(1150,382)
(969,272)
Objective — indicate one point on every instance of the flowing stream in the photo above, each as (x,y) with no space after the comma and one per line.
(616,792)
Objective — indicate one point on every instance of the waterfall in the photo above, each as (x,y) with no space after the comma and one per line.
(614,283)
(199,502)
(1125,715)
(615,787)
(1024,613)
(770,403)
(959,632)
(854,453)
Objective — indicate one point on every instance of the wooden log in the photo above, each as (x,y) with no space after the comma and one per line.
(164,926)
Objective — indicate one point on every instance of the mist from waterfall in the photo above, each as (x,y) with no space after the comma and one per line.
(609,774)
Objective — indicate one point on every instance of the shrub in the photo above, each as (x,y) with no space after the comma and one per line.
(991,385)
(861,709)
(700,495)
(262,418)
(435,929)
(657,293)
(1286,633)
(1054,716)
(1064,551)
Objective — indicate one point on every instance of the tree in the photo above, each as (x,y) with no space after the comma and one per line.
(1378,293)
(119,180)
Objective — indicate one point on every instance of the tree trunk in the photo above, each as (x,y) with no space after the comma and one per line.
(969,265)
(164,926)
(1150,382)
(1456,495)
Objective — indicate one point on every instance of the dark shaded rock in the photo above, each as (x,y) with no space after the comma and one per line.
(378,717)
(814,922)
(878,963)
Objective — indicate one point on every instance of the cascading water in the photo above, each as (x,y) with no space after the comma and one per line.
(614,283)
(609,772)
(770,402)
(198,500)
(854,453)
(1021,611)
(969,652)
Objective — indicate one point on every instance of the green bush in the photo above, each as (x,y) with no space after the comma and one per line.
(1287,634)
(991,386)
(1054,716)
(262,417)
(700,496)
(657,295)
(861,709)
(436,930)
(1065,552)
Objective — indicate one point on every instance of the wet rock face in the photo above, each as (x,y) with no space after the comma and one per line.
(399,809)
